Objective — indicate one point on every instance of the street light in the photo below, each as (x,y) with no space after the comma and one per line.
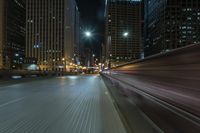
(125,34)
(64,63)
(88,34)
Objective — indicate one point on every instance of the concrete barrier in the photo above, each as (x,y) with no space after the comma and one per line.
(177,71)
(172,77)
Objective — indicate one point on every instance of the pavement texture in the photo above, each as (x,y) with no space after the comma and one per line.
(72,104)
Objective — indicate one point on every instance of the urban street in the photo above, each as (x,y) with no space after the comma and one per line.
(99,66)
(73,104)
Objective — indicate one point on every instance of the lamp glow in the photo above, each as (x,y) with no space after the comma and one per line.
(125,34)
(88,34)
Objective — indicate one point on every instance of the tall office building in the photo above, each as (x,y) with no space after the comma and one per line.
(12,33)
(2,41)
(123,30)
(51,33)
(77,47)
(171,24)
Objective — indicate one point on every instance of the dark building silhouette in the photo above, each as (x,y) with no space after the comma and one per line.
(77,47)
(170,24)
(12,33)
(123,30)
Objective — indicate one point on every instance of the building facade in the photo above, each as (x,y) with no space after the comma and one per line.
(12,33)
(77,47)
(2,41)
(170,24)
(51,33)
(123,30)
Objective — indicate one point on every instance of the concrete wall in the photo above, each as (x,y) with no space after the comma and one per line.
(184,62)
(176,72)
(172,79)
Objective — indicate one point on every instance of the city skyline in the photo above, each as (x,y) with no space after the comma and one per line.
(54,36)
(99,66)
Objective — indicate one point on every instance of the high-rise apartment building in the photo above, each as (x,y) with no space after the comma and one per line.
(51,33)
(123,30)
(12,33)
(171,24)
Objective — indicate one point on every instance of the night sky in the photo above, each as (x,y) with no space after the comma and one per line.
(92,17)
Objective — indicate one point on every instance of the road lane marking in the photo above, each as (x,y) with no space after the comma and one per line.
(11,102)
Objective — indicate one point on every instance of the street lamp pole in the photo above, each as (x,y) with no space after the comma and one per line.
(110,52)
(125,35)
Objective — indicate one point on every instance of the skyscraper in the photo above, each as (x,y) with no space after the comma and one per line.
(123,30)
(51,32)
(77,36)
(2,42)
(12,33)
(171,24)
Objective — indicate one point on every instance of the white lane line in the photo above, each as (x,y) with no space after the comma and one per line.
(11,102)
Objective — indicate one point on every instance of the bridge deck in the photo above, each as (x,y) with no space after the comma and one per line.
(74,104)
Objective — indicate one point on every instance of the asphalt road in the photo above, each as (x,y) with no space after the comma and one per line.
(72,104)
